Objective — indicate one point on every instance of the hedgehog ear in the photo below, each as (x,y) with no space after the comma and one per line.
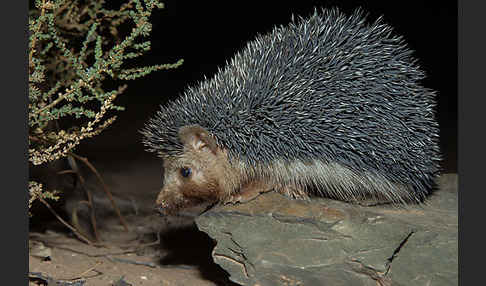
(198,138)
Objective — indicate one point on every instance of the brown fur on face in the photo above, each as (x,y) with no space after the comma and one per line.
(211,176)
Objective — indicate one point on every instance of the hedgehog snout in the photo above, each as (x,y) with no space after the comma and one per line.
(159,210)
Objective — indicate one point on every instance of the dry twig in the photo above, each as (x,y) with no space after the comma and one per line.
(74,230)
(105,187)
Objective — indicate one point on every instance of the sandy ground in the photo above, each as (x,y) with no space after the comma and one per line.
(72,260)
(135,262)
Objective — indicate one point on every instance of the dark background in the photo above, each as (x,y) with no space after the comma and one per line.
(206,34)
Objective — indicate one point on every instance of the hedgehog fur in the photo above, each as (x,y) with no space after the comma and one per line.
(330,104)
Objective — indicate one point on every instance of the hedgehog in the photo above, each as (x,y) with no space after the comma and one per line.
(327,106)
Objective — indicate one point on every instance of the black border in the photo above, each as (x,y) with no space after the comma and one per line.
(14,21)
(471,63)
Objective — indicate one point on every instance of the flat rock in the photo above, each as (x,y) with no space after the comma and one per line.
(276,241)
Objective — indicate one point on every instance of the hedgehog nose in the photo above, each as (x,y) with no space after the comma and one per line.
(160,210)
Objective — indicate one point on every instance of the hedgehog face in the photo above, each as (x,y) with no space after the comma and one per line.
(193,177)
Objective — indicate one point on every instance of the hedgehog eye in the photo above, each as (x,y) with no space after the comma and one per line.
(186,172)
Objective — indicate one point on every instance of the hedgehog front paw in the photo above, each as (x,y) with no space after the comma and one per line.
(242,197)
(234,200)
(248,193)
